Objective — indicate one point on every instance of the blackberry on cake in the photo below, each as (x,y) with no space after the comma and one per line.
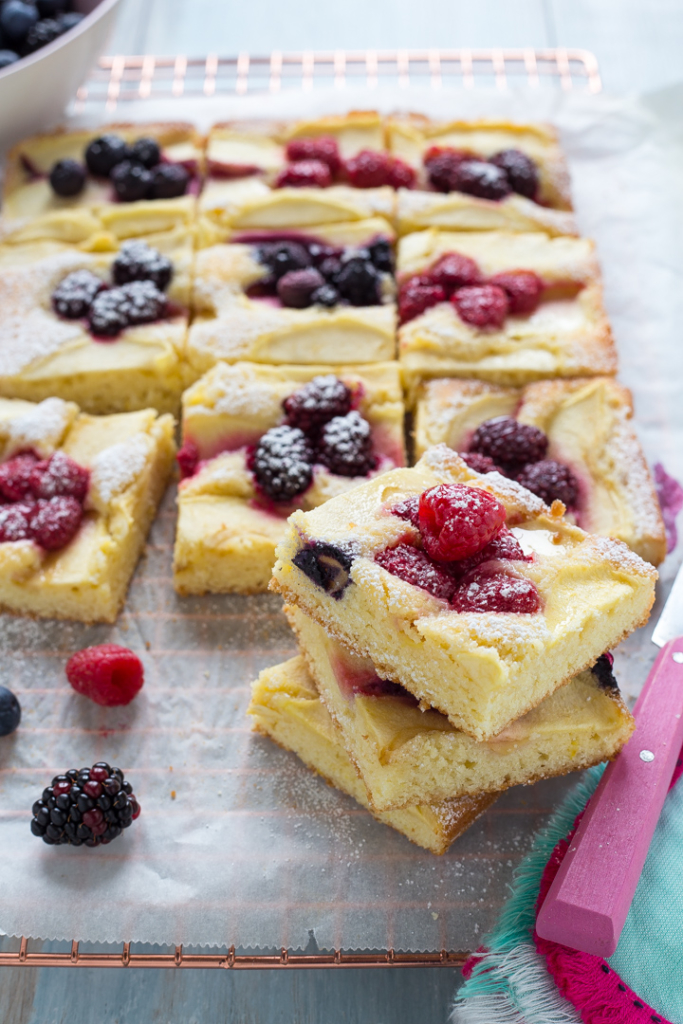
(345,445)
(104,153)
(138,261)
(509,443)
(282,463)
(146,152)
(168,181)
(131,181)
(74,295)
(520,170)
(67,178)
(317,402)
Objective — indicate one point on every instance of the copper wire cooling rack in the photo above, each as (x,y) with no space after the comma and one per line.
(119,81)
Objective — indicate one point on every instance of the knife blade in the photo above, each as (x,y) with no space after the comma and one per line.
(587,904)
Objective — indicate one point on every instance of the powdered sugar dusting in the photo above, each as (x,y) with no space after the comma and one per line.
(41,428)
(116,468)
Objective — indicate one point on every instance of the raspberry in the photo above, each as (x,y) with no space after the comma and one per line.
(478,178)
(89,807)
(10,712)
(304,174)
(457,521)
(281,257)
(454,271)
(443,167)
(358,281)
(16,477)
(59,476)
(401,174)
(107,674)
(509,443)
(345,445)
(188,458)
(138,261)
(523,289)
(482,305)
(74,295)
(479,463)
(521,171)
(369,169)
(415,567)
(503,547)
(483,591)
(282,463)
(55,522)
(169,181)
(323,148)
(603,671)
(416,296)
(316,403)
(551,481)
(15,522)
(409,509)
(295,289)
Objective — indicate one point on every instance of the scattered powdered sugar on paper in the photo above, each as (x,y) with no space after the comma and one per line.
(41,428)
(115,468)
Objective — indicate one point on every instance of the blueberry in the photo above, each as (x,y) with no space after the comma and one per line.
(42,33)
(10,712)
(381,255)
(67,177)
(131,181)
(50,8)
(104,153)
(8,57)
(169,181)
(16,19)
(327,295)
(146,152)
(296,287)
(281,257)
(358,281)
(326,565)
(69,20)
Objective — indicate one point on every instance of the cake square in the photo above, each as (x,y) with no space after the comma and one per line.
(248,187)
(286,707)
(589,429)
(348,316)
(519,182)
(79,495)
(228,527)
(407,755)
(498,306)
(33,211)
(488,639)
(44,353)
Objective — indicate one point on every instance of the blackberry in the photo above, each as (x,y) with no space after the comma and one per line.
(282,463)
(551,481)
(345,445)
(479,463)
(108,313)
(281,257)
(146,152)
(358,280)
(327,295)
(43,32)
(295,289)
(10,712)
(443,167)
(478,178)
(89,807)
(521,171)
(316,403)
(330,268)
(104,153)
(138,261)
(381,255)
(603,670)
(510,444)
(169,181)
(73,297)
(326,565)
(131,181)
(139,302)
(67,178)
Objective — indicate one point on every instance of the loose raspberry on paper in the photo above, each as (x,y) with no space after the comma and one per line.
(107,674)
(457,521)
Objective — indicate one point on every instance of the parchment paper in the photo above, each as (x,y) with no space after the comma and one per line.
(254,850)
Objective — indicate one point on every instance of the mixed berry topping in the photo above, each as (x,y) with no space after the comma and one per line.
(107,674)
(142,274)
(323,148)
(480,302)
(10,712)
(465,544)
(479,463)
(44,499)
(551,481)
(316,162)
(326,565)
(303,274)
(603,670)
(89,807)
(136,171)
(456,170)
(305,174)
(282,463)
(26,27)
(317,402)
(370,169)
(345,445)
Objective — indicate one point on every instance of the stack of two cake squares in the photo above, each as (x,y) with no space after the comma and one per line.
(426,686)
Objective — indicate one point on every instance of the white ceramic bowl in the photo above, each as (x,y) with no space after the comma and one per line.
(34,92)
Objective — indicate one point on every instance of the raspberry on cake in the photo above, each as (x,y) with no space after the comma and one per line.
(268,174)
(136,180)
(295,297)
(260,441)
(524,617)
(104,329)
(500,306)
(409,754)
(570,440)
(78,494)
(285,706)
(481,176)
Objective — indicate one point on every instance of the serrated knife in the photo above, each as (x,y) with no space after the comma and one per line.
(587,904)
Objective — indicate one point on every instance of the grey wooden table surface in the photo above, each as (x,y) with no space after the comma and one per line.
(638,44)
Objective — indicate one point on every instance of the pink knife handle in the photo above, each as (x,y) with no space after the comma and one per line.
(587,904)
